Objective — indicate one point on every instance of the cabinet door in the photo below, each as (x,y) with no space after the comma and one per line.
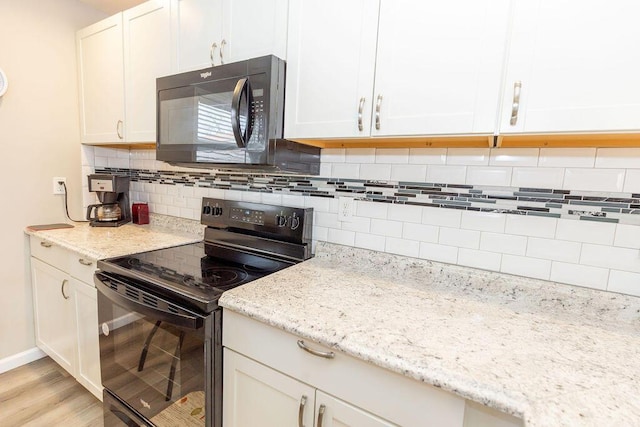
(330,68)
(54,313)
(147,56)
(255,395)
(439,66)
(88,355)
(100,79)
(197,26)
(332,412)
(578,63)
(253,28)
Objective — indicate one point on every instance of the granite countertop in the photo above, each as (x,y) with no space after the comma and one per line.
(105,242)
(548,353)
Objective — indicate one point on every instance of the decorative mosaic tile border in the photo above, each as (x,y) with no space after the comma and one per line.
(583,205)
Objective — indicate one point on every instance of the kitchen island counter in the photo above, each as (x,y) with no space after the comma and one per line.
(548,353)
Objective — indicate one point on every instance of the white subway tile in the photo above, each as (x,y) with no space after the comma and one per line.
(624,282)
(537,177)
(319,204)
(360,155)
(325,170)
(555,250)
(567,157)
(632,181)
(503,243)
(459,238)
(392,155)
(489,175)
(370,241)
(105,151)
(173,211)
(87,155)
(411,173)
(325,219)
(320,233)
(580,275)
(468,156)
(623,158)
(332,155)
(101,162)
(514,157)
(402,247)
(586,231)
(594,179)
(446,174)
(372,209)
(158,208)
(362,225)
(189,213)
(611,257)
(123,154)
(179,201)
(424,233)
(525,225)
(341,237)
(528,267)
(252,197)
(345,170)
(627,236)
(293,201)
(166,200)
(384,227)
(375,172)
(440,253)
(442,217)
(194,203)
(136,164)
(405,213)
(272,199)
(479,259)
(428,156)
(483,221)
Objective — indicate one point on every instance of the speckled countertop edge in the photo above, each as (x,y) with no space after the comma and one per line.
(518,345)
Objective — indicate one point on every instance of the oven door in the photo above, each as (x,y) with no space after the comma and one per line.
(157,357)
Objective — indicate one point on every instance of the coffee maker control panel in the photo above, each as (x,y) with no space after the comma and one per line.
(97,184)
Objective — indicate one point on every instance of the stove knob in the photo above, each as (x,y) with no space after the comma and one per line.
(206,210)
(281,220)
(217,211)
(295,222)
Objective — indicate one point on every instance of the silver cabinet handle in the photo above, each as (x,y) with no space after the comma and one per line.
(45,244)
(84,261)
(119,129)
(360,108)
(303,402)
(378,104)
(64,282)
(212,51)
(516,102)
(222,44)
(326,355)
(321,415)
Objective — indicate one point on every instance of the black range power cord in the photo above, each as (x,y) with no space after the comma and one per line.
(66,206)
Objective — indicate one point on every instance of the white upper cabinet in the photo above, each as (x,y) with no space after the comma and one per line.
(438,67)
(147,56)
(215,32)
(330,68)
(101,84)
(578,64)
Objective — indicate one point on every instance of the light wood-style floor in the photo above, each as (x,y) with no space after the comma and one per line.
(41,393)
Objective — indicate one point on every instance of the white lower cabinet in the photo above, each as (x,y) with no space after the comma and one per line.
(271,380)
(66,311)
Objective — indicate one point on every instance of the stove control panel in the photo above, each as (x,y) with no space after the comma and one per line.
(247,215)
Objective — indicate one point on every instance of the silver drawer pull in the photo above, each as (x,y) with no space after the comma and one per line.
(360,108)
(84,261)
(378,105)
(325,354)
(321,415)
(303,402)
(64,282)
(119,128)
(211,51)
(45,244)
(222,44)
(515,107)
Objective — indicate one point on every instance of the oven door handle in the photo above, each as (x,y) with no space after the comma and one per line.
(178,319)
(242,138)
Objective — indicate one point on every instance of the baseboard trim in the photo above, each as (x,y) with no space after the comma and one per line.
(28,356)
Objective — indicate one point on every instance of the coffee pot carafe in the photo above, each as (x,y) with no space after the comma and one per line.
(113,194)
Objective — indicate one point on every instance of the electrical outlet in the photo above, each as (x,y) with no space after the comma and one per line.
(345,209)
(57,187)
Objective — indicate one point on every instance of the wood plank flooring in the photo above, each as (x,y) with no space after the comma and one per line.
(41,393)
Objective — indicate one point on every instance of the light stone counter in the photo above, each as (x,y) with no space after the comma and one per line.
(105,242)
(551,354)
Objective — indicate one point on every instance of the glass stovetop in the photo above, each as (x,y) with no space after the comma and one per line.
(192,271)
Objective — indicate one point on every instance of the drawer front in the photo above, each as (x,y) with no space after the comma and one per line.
(50,253)
(82,267)
(394,397)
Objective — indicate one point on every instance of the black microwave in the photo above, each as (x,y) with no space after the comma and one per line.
(229,116)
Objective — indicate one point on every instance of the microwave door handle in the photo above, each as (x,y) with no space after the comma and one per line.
(242,87)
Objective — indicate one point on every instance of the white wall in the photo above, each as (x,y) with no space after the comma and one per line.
(39,135)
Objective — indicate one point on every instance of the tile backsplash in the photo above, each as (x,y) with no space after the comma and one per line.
(570,215)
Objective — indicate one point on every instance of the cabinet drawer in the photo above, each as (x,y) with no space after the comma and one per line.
(82,267)
(50,253)
(394,397)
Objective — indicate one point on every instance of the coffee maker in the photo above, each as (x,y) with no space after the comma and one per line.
(113,193)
